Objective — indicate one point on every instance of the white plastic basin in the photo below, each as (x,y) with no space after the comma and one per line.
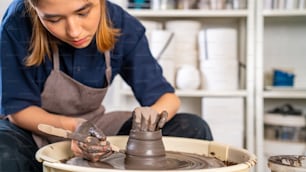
(51,155)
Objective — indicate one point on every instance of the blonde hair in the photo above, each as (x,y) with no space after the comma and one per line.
(43,43)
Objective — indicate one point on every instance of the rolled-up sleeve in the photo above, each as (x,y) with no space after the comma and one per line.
(18,87)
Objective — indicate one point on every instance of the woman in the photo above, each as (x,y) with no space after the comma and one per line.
(58,59)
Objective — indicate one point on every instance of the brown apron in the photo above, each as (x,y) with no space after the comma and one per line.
(65,96)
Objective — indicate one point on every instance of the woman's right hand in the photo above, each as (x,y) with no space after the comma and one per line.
(87,150)
(91,152)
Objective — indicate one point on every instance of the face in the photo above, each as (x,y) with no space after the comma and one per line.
(72,21)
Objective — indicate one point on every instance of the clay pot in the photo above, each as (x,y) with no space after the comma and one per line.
(145,150)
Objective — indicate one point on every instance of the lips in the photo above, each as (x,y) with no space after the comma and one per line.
(79,42)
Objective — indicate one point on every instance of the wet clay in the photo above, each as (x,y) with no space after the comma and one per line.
(145,151)
(173,161)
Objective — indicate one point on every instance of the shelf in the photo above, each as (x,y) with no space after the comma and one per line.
(201,93)
(284,13)
(189,13)
(284,94)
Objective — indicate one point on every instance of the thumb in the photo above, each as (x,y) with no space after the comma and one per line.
(163,119)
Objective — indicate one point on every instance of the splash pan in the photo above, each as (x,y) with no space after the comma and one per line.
(54,156)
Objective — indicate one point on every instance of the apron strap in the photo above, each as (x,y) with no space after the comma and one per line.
(56,64)
(108,70)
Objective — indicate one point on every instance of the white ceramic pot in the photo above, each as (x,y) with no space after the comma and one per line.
(188,77)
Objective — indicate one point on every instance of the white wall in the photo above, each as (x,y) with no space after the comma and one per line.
(3,6)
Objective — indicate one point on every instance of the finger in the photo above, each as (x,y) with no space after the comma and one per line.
(75,148)
(137,115)
(152,122)
(136,121)
(163,119)
(105,155)
(84,128)
(144,124)
(104,143)
(94,157)
(82,146)
(103,147)
(95,153)
(97,132)
(91,157)
(91,152)
(98,149)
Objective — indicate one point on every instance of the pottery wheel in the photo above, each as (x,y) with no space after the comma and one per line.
(174,161)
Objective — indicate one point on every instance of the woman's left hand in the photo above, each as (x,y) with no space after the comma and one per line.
(147,119)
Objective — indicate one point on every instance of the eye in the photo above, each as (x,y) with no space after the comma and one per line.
(84,13)
(54,21)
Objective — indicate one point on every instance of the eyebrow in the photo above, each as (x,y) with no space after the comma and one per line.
(88,5)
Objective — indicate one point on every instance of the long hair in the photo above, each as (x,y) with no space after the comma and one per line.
(43,43)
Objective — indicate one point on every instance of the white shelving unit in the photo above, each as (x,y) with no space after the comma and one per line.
(189,13)
(202,93)
(279,44)
(191,99)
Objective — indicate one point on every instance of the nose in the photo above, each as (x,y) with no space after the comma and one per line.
(73,28)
